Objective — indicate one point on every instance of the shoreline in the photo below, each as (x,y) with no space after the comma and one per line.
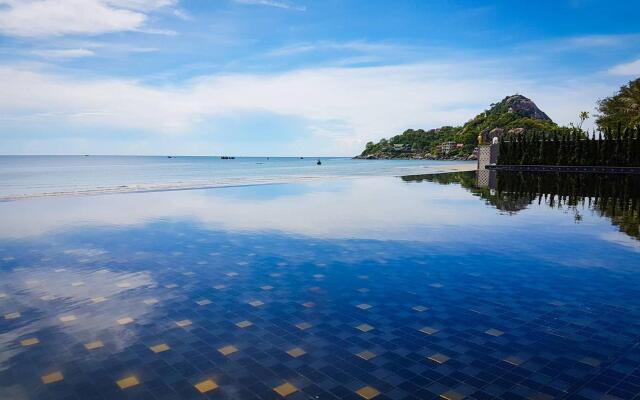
(238,182)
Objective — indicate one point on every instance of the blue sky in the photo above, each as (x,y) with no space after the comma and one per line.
(295,77)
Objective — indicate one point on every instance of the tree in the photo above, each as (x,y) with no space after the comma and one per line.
(621,108)
(584,115)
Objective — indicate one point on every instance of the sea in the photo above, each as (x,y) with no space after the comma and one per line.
(32,176)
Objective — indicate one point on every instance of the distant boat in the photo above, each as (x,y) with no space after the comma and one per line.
(170,157)
(227,158)
(319,162)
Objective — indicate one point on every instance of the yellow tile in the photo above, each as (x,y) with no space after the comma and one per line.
(206,386)
(159,348)
(367,392)
(128,382)
(364,306)
(513,360)
(428,330)
(452,395)
(366,355)
(296,352)
(203,302)
(150,302)
(244,324)
(52,377)
(100,299)
(285,389)
(365,327)
(29,342)
(420,308)
(125,320)
(93,345)
(303,325)
(184,323)
(256,303)
(12,315)
(227,350)
(68,318)
(439,358)
(494,332)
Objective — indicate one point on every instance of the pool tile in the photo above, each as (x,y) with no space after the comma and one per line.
(365,327)
(29,342)
(128,382)
(256,303)
(296,352)
(94,345)
(52,377)
(366,355)
(452,395)
(439,358)
(124,321)
(13,315)
(206,386)
(429,330)
(159,348)
(368,392)
(244,324)
(303,326)
(285,389)
(227,350)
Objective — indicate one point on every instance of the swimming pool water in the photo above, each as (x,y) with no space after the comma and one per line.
(382,288)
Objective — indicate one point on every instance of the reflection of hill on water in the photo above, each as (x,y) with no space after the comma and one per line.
(614,196)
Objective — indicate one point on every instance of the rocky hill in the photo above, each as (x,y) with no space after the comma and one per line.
(515,114)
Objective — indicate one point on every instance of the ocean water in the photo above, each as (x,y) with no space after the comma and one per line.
(33,176)
(452,286)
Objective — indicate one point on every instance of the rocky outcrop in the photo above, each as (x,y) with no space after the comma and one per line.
(525,107)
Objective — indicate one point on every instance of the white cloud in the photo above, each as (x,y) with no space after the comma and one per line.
(273,3)
(64,53)
(343,107)
(33,18)
(627,69)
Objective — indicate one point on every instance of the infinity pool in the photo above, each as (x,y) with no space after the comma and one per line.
(387,288)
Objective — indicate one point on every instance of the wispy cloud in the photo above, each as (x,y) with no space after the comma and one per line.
(63,53)
(627,69)
(273,3)
(38,18)
(353,104)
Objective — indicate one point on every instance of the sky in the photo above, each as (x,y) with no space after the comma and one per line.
(292,77)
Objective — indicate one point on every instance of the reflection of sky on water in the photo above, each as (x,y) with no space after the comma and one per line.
(334,256)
